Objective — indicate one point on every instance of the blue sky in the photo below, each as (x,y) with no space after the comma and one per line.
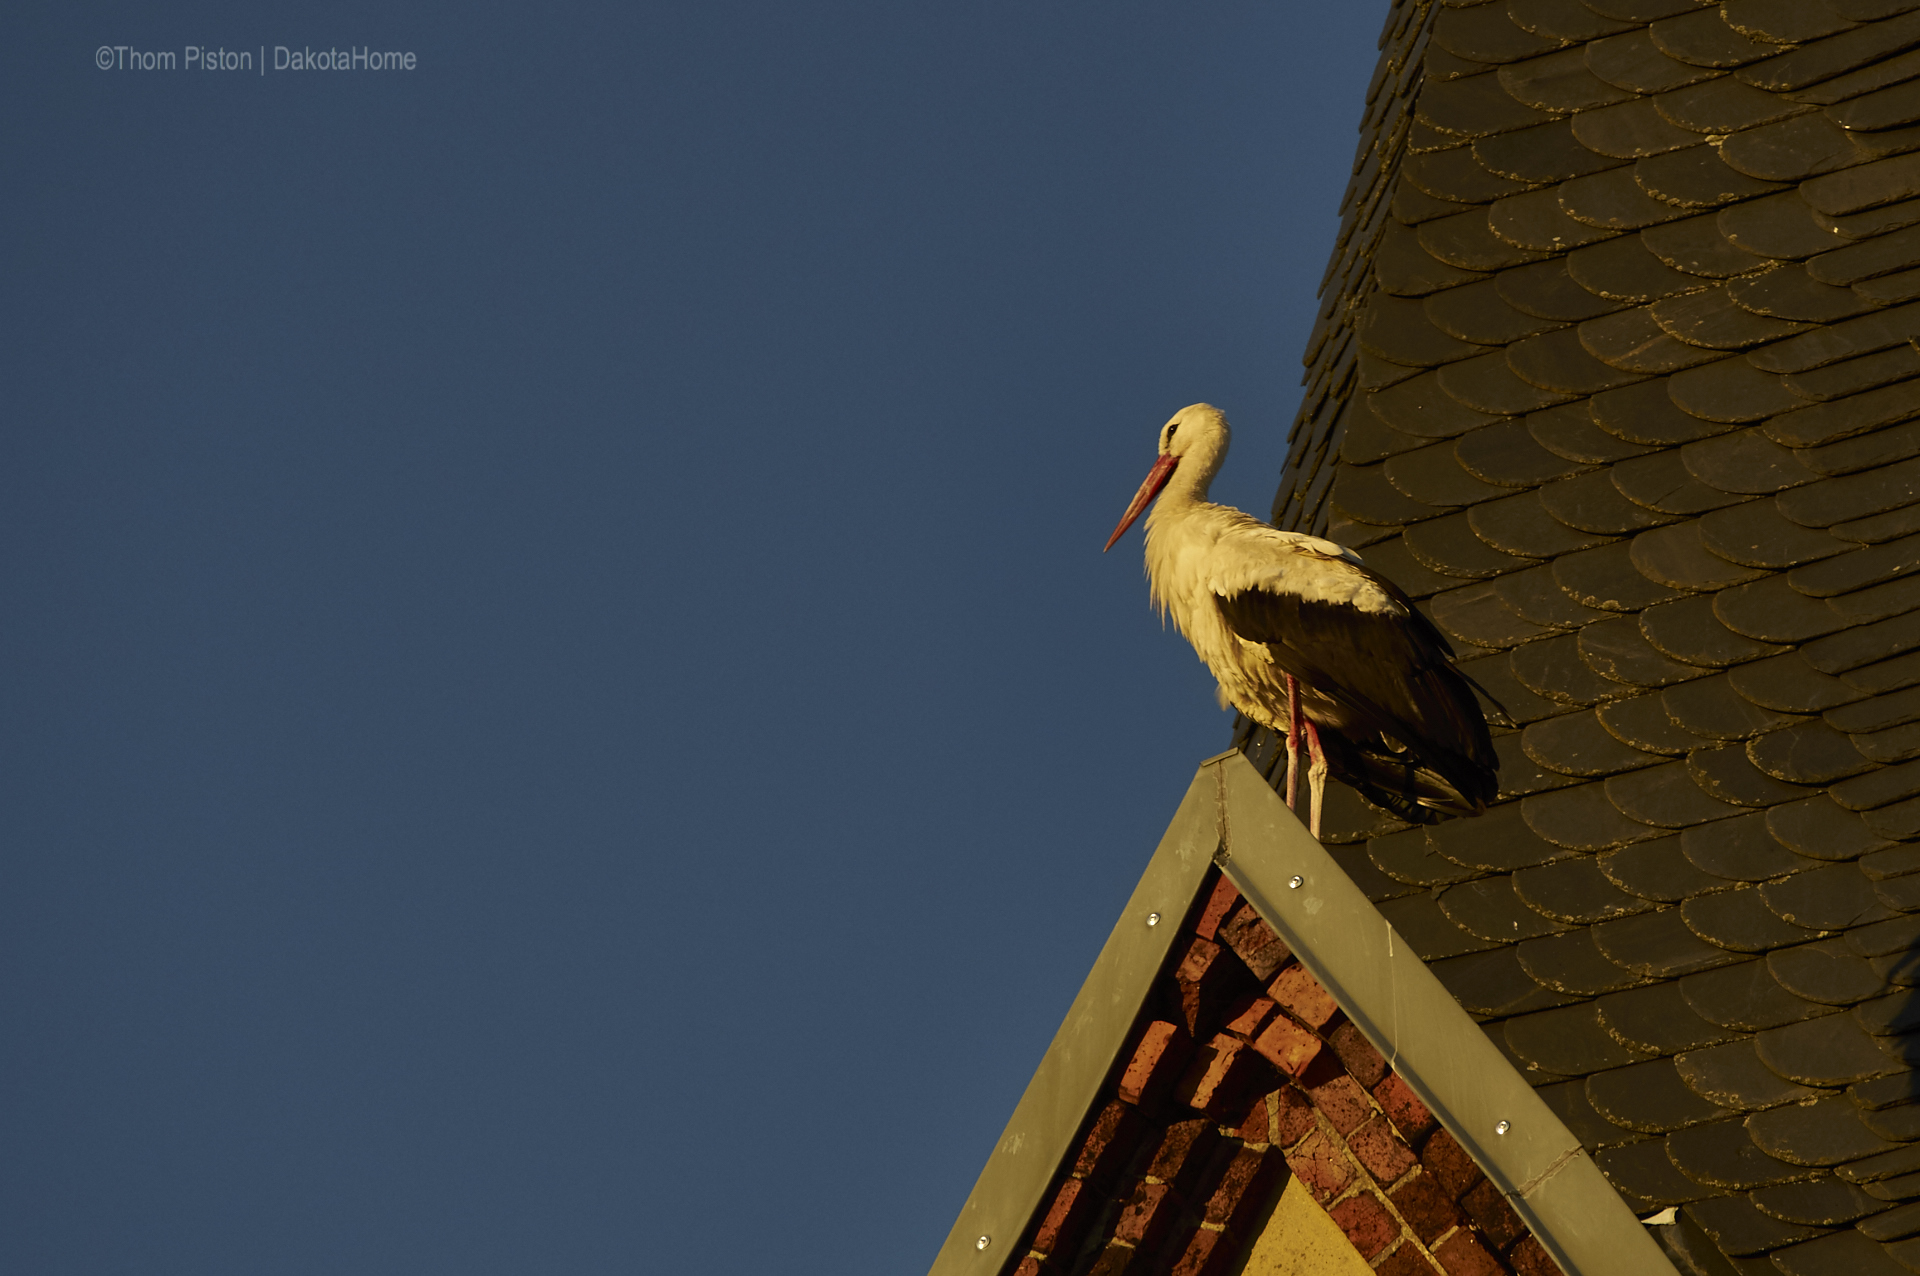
(565,710)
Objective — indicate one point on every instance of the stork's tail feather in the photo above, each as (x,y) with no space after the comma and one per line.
(1417,791)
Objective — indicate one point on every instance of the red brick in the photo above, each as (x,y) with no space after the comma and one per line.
(1207,1254)
(1219,1082)
(1449,1163)
(1156,1064)
(1492,1215)
(1115,1134)
(1461,1255)
(1321,1165)
(1362,1060)
(1248,1015)
(1377,1147)
(1288,1046)
(1426,1207)
(1293,1117)
(1034,1265)
(1147,1215)
(1114,1260)
(1242,1186)
(1342,1102)
(1406,1261)
(1403,1107)
(1208,983)
(1182,1155)
(1074,1206)
(1301,993)
(1529,1259)
(1219,904)
(1366,1222)
(1254,943)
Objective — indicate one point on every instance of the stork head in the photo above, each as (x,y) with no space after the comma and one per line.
(1195,440)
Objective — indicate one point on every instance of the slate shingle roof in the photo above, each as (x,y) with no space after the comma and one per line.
(1617,374)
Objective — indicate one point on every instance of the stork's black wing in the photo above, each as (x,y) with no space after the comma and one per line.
(1407,727)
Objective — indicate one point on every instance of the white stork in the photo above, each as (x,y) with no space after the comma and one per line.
(1300,633)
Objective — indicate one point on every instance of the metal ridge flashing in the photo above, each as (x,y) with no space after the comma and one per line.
(1064,1088)
(1232,817)
(1437,1050)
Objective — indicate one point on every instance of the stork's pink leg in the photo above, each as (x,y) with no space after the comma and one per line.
(1293,742)
(1316,779)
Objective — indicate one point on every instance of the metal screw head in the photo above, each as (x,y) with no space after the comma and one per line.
(1503,1127)
(985,1241)
(1153,919)
(1296,882)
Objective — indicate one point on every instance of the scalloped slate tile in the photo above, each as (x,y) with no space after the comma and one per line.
(1698,177)
(1838,380)
(1553,668)
(1827,972)
(1740,849)
(1507,454)
(1793,149)
(1733,1076)
(1665,796)
(1366,496)
(1747,461)
(1642,1170)
(1657,870)
(1711,707)
(1864,644)
(1836,500)
(1494,983)
(1823,827)
(1537,597)
(1633,61)
(1740,921)
(1633,341)
(1609,578)
(1558,363)
(1807,753)
(1490,909)
(1729,774)
(1520,525)
(1687,629)
(1698,246)
(1495,674)
(1658,944)
(1487,384)
(1397,329)
(1825,423)
(1405,857)
(1613,200)
(1650,1097)
(1825,1132)
(1657,1020)
(1758,535)
(1501,841)
(1840,1254)
(1427,930)
(1487,34)
(1474,106)
(1568,1101)
(1560,81)
(1679,558)
(1866,186)
(1732,390)
(1722,1154)
(1592,503)
(1577,744)
(1575,890)
(1573,963)
(1877,1168)
(1893,1014)
(1479,314)
(1880,602)
(1888,675)
(1788,684)
(1877,788)
(1534,220)
(1570,1041)
(1630,130)
(1846,340)
(1467,241)
(1663,482)
(1617,649)
(1449,546)
(1895,744)
(1548,290)
(1827,1202)
(1712,319)
(1738,1228)
(1434,476)
(1790,293)
(1704,38)
(1836,897)
(1405,269)
(1569,431)
(1475,614)
(1830,1051)
(1780,226)
(1642,723)
(1772,611)
(1626,270)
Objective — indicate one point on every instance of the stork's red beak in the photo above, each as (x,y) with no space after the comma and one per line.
(1156,479)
